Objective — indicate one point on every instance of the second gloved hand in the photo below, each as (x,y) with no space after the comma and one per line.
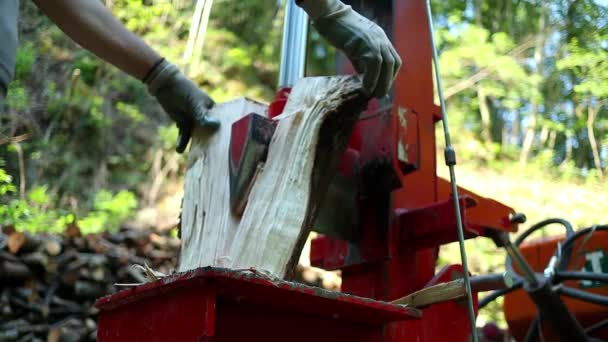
(181,99)
(363,42)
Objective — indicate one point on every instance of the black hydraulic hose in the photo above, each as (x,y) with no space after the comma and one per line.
(571,236)
(578,234)
(561,276)
(597,327)
(535,227)
(567,245)
(499,293)
(554,311)
(542,224)
(509,263)
(534,330)
(583,295)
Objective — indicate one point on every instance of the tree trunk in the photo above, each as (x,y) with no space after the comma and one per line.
(516,127)
(200,39)
(591,114)
(552,138)
(310,137)
(195,25)
(568,154)
(544,135)
(484,111)
(539,59)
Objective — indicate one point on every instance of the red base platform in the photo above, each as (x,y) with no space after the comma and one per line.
(212,304)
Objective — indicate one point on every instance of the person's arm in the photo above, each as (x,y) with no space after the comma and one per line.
(94,27)
(363,42)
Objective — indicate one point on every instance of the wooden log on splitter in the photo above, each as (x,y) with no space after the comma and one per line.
(288,190)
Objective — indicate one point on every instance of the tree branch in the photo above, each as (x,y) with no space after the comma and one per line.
(485,72)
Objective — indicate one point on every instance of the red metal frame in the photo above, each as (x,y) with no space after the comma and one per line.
(211,304)
(403,224)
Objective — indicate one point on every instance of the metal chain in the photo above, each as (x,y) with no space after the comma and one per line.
(450,160)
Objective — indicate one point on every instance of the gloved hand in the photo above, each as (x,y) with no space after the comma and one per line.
(363,42)
(181,99)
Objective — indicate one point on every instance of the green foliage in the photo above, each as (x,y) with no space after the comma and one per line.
(588,63)
(17,96)
(471,51)
(36,213)
(109,211)
(31,213)
(167,136)
(87,66)
(6,185)
(26,55)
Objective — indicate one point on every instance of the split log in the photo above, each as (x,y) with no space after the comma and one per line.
(308,142)
(11,270)
(9,335)
(88,289)
(22,242)
(3,240)
(52,246)
(35,260)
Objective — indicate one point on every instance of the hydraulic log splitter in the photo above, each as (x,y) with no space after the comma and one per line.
(383,221)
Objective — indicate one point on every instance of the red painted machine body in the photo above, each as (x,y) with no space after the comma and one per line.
(405,209)
(404,214)
(211,304)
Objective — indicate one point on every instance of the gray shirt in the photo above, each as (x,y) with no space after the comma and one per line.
(9,13)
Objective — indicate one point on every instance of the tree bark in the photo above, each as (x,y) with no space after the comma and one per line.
(484,111)
(544,135)
(568,155)
(539,59)
(310,137)
(591,114)
(200,39)
(552,138)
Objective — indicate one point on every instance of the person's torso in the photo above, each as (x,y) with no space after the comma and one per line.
(9,13)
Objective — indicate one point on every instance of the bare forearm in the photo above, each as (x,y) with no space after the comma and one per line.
(92,25)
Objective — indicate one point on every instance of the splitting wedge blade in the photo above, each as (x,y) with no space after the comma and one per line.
(249,141)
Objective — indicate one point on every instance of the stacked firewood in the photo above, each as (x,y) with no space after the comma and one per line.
(49,283)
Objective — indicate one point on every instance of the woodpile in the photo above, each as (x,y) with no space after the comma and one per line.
(49,283)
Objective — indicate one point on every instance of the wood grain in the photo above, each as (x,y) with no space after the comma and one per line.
(434,294)
(310,137)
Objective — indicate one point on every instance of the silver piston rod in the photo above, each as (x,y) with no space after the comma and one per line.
(293,49)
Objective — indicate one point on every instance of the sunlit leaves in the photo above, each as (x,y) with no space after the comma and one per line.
(590,64)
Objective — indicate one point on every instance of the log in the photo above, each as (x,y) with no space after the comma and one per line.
(35,260)
(11,270)
(3,240)
(88,289)
(9,335)
(22,242)
(52,246)
(285,198)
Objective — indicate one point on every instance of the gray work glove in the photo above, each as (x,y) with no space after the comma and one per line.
(181,99)
(364,43)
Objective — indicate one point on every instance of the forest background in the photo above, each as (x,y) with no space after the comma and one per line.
(526,83)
